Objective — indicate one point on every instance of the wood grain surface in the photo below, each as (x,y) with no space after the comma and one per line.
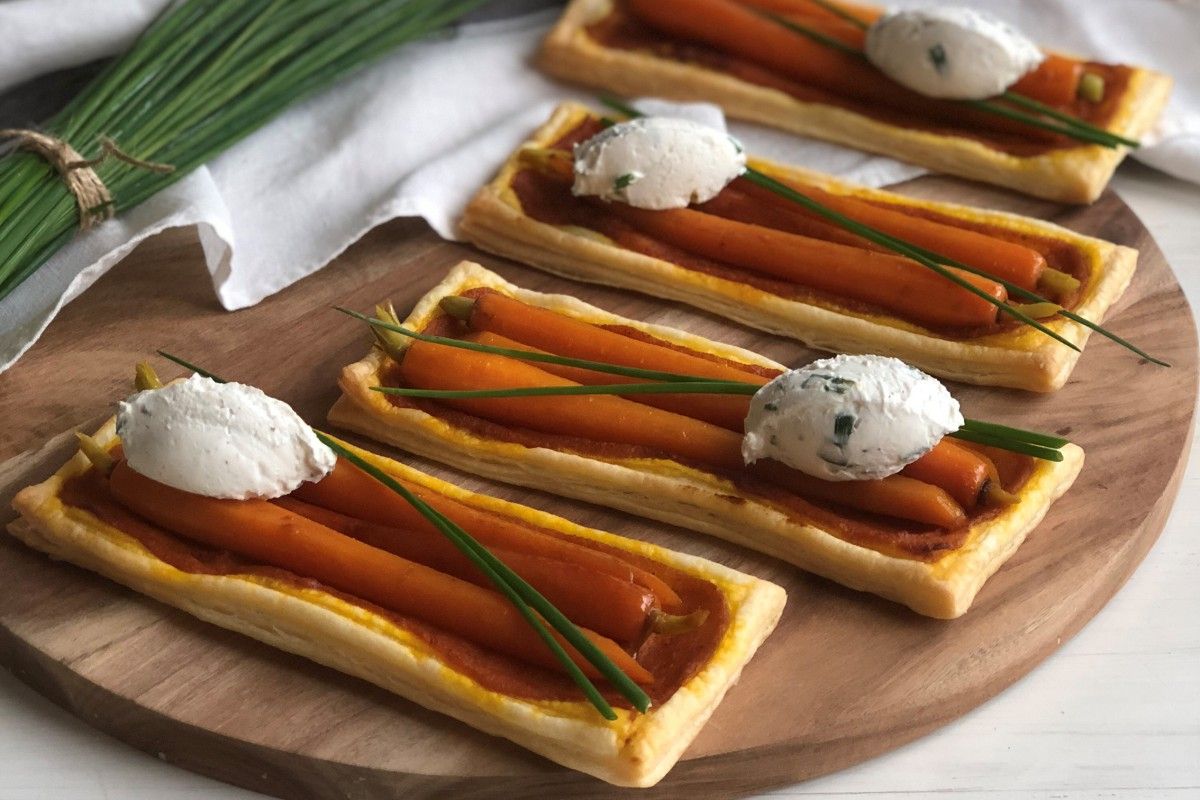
(846,676)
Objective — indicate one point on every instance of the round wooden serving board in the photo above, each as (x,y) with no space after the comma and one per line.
(845,676)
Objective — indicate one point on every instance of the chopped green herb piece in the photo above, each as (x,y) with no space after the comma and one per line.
(937,54)
(624,180)
(843,426)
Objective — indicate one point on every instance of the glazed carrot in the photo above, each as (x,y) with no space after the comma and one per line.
(1054,82)
(964,474)
(738,202)
(268,534)
(557,333)
(741,31)
(349,490)
(607,418)
(810,10)
(747,202)
(1008,260)
(940,471)
(888,281)
(602,603)
(814,17)
(920,501)
(728,411)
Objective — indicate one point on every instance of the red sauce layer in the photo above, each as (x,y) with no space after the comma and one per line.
(621,31)
(672,659)
(895,537)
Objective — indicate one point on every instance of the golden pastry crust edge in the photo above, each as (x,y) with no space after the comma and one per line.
(1075,175)
(1022,359)
(636,750)
(692,499)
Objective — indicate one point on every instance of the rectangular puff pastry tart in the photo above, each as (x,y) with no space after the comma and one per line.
(727,52)
(677,458)
(754,257)
(76,516)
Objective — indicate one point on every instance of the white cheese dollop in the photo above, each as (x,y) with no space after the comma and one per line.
(849,418)
(657,163)
(951,52)
(223,440)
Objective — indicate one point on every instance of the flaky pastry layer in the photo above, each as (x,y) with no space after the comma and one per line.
(635,750)
(1021,358)
(670,492)
(1076,174)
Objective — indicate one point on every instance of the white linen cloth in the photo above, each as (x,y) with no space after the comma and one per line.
(417,133)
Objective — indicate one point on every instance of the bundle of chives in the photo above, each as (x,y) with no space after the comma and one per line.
(535,608)
(1059,122)
(926,258)
(1030,443)
(202,76)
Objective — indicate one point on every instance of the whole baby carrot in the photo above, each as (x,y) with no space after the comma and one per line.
(269,534)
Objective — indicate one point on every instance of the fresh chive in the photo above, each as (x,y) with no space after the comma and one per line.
(1050,111)
(203,75)
(1026,294)
(869,233)
(1024,448)
(1031,437)
(836,10)
(519,592)
(683,387)
(528,601)
(525,355)
(997,435)
(811,33)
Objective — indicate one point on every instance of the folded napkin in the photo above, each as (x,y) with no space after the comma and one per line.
(417,133)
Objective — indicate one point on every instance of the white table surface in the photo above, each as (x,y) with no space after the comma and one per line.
(1114,714)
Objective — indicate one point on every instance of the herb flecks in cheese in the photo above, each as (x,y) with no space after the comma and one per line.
(225,440)
(657,163)
(849,418)
(951,52)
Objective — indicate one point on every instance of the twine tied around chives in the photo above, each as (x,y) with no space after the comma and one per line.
(93,198)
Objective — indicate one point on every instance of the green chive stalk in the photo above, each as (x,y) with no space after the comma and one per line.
(532,605)
(202,76)
(1031,443)
(926,258)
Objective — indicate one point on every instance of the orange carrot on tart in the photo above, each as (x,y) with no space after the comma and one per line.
(978,296)
(1045,123)
(318,552)
(926,529)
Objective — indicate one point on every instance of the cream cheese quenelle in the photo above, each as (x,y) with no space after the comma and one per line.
(849,418)
(951,52)
(225,440)
(657,163)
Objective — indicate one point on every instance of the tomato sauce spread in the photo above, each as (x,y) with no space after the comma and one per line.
(550,201)
(620,30)
(900,538)
(672,659)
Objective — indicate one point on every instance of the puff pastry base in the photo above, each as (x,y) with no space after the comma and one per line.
(670,492)
(1022,358)
(635,750)
(1069,175)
